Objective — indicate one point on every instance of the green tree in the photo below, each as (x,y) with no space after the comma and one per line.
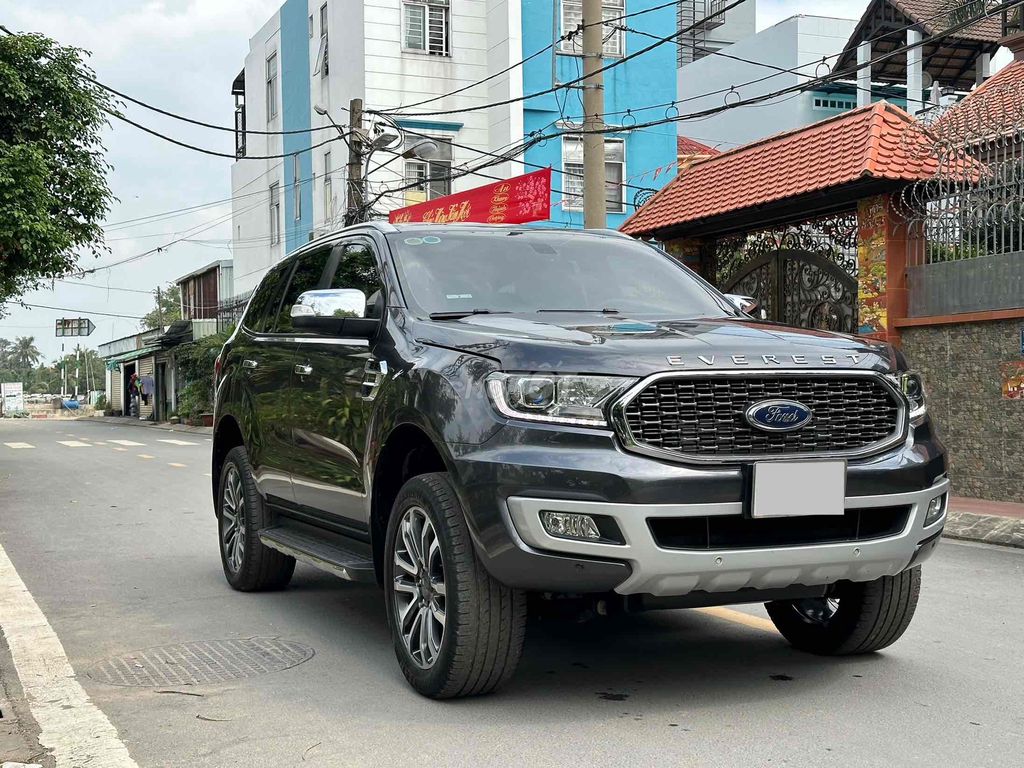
(24,354)
(166,309)
(53,185)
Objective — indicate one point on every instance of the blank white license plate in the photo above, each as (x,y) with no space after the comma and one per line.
(798,488)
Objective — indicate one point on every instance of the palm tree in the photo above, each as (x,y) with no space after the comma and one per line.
(24,354)
(5,351)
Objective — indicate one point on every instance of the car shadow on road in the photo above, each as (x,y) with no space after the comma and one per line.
(656,660)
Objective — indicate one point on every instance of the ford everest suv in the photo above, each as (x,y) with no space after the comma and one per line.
(468,415)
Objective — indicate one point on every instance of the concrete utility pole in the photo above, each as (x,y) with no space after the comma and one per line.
(356,192)
(594,206)
(159,309)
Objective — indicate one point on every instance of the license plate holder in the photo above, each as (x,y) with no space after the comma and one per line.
(798,488)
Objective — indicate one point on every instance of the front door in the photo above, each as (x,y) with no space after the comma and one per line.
(266,360)
(333,405)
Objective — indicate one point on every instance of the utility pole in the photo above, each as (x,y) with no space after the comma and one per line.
(594,206)
(78,366)
(159,309)
(356,191)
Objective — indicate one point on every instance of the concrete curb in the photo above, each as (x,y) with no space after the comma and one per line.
(990,529)
(130,422)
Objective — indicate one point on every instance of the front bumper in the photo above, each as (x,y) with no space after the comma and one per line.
(505,482)
(660,571)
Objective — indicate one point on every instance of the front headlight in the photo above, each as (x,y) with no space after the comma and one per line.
(556,399)
(912,385)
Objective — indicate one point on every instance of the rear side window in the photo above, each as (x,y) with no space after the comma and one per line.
(308,274)
(260,315)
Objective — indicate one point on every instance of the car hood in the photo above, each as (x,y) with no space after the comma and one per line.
(640,345)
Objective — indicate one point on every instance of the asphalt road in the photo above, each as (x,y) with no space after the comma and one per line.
(116,544)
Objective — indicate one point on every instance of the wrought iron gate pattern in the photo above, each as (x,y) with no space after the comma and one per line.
(802,274)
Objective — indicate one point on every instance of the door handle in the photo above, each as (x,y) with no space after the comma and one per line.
(250,364)
(303,370)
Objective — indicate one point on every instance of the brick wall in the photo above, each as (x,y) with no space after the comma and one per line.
(983,431)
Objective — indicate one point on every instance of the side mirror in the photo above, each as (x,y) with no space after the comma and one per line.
(748,305)
(336,312)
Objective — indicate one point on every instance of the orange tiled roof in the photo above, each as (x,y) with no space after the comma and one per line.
(872,142)
(688,146)
(935,16)
(990,108)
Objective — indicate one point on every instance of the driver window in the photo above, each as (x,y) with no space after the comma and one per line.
(308,274)
(357,268)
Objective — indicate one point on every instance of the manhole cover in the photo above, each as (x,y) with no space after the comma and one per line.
(207,661)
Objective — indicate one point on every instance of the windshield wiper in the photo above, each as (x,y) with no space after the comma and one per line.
(457,314)
(605,311)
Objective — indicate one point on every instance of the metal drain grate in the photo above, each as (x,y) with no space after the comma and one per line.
(205,661)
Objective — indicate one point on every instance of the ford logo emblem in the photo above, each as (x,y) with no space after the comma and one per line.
(778,415)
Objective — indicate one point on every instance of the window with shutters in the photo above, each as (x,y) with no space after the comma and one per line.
(272,86)
(572,173)
(429,179)
(323,41)
(427,26)
(275,214)
(328,190)
(611,32)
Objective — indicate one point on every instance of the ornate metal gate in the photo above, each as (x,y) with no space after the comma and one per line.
(803,274)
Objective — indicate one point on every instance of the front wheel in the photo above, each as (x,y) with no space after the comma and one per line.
(456,631)
(860,617)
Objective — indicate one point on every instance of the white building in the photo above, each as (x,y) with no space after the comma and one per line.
(798,43)
(390,53)
(706,28)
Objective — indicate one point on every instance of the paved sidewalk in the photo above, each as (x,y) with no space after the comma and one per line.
(994,522)
(165,425)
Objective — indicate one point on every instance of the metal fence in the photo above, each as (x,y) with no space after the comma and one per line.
(229,311)
(968,220)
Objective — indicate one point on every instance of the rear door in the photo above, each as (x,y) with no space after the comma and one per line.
(333,402)
(265,363)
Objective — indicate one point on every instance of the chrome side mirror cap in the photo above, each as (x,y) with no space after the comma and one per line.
(335,312)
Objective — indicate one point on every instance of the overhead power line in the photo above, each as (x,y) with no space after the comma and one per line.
(73,311)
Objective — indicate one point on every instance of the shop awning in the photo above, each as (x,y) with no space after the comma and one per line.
(135,354)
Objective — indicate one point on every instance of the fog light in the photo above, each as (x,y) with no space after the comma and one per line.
(569,526)
(936,509)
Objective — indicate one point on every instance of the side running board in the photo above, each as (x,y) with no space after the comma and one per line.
(326,552)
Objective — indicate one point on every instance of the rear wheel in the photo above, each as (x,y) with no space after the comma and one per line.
(860,617)
(456,631)
(249,565)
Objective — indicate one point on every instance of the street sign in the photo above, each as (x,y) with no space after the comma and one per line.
(516,201)
(75,326)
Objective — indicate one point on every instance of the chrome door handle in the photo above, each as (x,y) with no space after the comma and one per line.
(303,370)
(250,364)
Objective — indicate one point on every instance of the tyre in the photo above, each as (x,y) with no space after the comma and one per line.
(249,565)
(456,631)
(858,618)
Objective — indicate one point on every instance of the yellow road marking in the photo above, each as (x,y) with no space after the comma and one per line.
(173,464)
(738,617)
(146,456)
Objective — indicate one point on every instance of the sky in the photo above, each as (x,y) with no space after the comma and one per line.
(180,55)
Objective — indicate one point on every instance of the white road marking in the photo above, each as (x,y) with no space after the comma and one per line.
(173,464)
(177,442)
(119,449)
(74,444)
(129,443)
(146,456)
(98,442)
(19,445)
(78,734)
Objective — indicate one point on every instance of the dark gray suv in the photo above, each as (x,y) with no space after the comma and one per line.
(471,415)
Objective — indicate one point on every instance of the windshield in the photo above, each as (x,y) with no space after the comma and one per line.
(502,270)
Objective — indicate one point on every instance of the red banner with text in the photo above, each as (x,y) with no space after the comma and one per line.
(515,201)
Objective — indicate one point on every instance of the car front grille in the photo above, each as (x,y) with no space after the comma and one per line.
(703,416)
(738,532)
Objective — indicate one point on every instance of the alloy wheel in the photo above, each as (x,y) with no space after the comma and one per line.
(232,519)
(420,592)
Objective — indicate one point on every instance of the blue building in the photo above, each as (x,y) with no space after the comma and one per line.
(637,91)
